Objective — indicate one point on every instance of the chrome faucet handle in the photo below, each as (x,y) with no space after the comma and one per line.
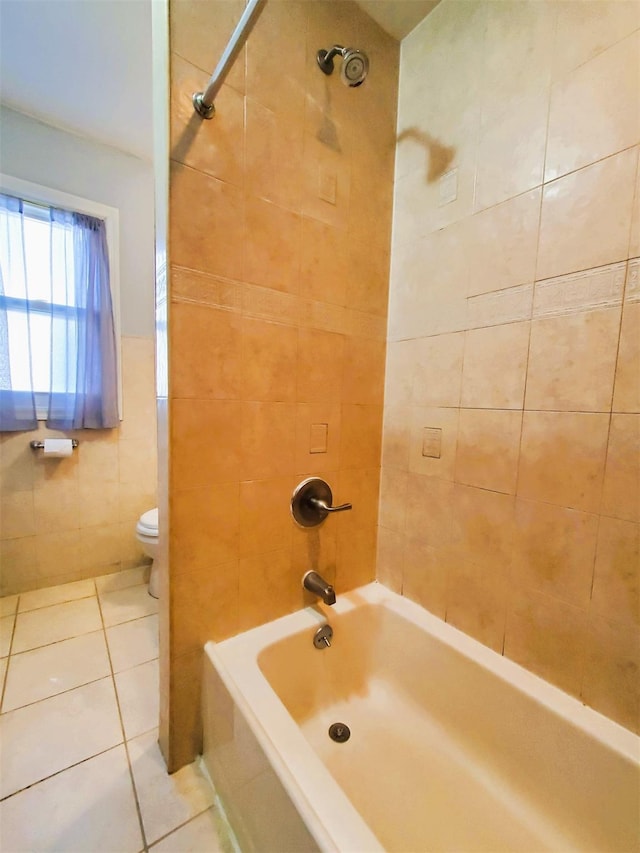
(326,508)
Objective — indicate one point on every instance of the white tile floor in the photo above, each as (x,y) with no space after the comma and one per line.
(80,768)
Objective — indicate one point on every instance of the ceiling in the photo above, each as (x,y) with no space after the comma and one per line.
(82,65)
(85,65)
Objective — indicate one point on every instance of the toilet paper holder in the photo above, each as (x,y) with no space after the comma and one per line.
(39,445)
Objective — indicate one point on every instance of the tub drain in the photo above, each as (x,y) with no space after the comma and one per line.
(339,732)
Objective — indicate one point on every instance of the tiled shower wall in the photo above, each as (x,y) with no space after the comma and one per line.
(509,494)
(66,519)
(280,222)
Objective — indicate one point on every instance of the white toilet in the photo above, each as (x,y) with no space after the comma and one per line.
(147,536)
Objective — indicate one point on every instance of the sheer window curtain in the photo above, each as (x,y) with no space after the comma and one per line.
(78,328)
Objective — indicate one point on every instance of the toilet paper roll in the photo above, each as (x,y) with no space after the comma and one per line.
(57,447)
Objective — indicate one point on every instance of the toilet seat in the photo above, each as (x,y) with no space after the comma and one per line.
(148,523)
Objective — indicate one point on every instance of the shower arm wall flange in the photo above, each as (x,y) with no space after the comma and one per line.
(203,101)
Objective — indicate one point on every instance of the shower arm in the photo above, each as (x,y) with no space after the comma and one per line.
(325,57)
(203,101)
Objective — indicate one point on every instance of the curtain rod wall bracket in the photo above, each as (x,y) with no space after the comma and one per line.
(203,101)
(200,107)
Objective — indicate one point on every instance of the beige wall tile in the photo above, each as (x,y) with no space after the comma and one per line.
(476,601)
(206,604)
(216,148)
(272,241)
(214,237)
(517,54)
(368,281)
(634,241)
(495,364)
(511,150)
(438,370)
(208,450)
(626,393)
(209,346)
(488,445)
(57,553)
(356,563)
(319,366)
(513,225)
(363,372)
(311,418)
(265,517)
(401,357)
(585,216)
(319,266)
(199,32)
(99,548)
(483,526)
(616,579)
(319,243)
(360,439)
(389,559)
(424,441)
(267,440)
(137,463)
(360,487)
(205,525)
(425,576)
(17,462)
(562,458)
(594,110)
(98,454)
(273,151)
(56,506)
(271,571)
(547,637)
(554,550)
(268,351)
(396,437)
(585,30)
(267,81)
(621,493)
(430,510)
(19,565)
(132,502)
(17,516)
(314,548)
(393,499)
(99,504)
(572,361)
(612,671)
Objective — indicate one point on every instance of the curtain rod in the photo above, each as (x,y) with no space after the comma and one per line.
(203,101)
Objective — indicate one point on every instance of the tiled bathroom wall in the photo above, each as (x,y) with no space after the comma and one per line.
(66,519)
(510,496)
(279,240)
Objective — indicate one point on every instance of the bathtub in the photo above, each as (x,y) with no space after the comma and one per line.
(452,746)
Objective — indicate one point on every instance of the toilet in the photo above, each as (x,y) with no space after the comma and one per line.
(147,536)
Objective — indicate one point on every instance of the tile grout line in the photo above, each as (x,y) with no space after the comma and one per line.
(6,672)
(145,846)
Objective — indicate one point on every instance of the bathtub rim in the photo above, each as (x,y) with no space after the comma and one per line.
(298,767)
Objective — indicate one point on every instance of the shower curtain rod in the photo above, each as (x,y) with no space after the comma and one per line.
(203,101)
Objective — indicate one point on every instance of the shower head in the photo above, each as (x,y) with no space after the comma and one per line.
(355,63)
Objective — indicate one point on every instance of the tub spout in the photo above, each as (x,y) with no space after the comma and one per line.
(318,586)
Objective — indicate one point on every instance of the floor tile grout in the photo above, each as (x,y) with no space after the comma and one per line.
(143,834)
(112,674)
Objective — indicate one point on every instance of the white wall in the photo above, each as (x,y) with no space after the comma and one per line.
(46,155)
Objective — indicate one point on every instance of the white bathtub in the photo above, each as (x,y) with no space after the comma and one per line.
(452,746)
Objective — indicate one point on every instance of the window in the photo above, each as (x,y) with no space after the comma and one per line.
(58,339)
